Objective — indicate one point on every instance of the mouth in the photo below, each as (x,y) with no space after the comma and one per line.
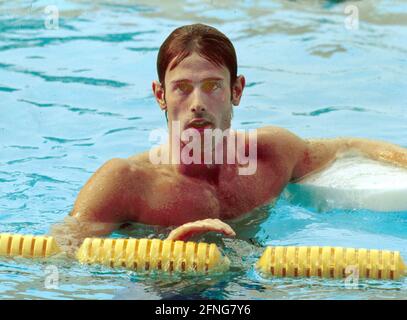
(199,124)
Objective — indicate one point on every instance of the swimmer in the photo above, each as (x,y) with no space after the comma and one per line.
(198,88)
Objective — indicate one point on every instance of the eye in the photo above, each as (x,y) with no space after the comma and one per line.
(210,86)
(184,87)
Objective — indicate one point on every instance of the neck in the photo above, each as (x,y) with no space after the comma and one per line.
(182,156)
(197,169)
(208,172)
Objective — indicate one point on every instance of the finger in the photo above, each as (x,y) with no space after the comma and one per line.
(229,231)
(224,227)
(193,228)
(174,235)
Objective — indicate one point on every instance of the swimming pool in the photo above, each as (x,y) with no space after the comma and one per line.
(75,96)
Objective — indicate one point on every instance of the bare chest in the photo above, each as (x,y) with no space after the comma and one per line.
(174,200)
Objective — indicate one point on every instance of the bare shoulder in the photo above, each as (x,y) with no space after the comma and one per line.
(118,176)
(118,170)
(279,141)
(143,159)
(134,164)
(275,131)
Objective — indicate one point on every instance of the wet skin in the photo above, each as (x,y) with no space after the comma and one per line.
(197,197)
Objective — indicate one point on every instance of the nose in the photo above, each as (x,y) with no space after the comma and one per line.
(197,104)
(198,108)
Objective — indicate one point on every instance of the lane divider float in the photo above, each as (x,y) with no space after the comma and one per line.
(137,254)
(144,255)
(330,262)
(153,254)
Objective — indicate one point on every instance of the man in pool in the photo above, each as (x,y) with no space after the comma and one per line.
(198,87)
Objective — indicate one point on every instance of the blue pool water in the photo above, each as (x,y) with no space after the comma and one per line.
(73,97)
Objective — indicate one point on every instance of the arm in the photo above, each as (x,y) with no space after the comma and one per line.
(318,153)
(303,157)
(100,207)
(103,205)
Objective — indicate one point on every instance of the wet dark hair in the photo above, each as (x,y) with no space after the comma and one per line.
(205,40)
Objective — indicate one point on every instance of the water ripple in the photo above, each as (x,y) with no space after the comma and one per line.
(250,122)
(326,51)
(252,84)
(73,168)
(13,24)
(35,178)
(83,144)
(8,89)
(118,130)
(23,147)
(67,79)
(78,110)
(45,41)
(34,158)
(7,180)
(70,79)
(327,110)
(63,140)
(35,57)
(143,49)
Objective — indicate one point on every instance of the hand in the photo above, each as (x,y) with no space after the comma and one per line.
(190,229)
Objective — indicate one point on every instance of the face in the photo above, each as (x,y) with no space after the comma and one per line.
(198,94)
